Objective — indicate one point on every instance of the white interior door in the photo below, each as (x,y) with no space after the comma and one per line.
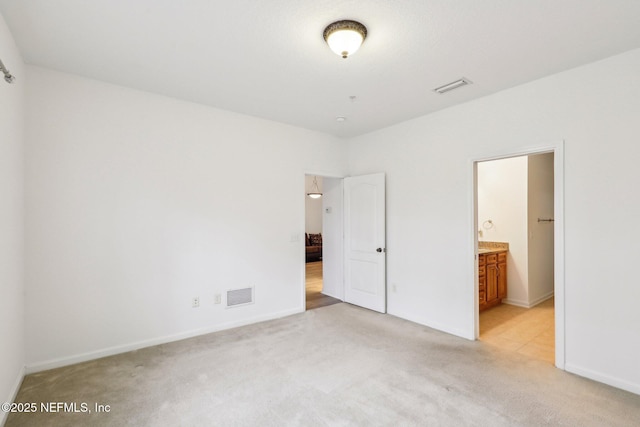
(365,252)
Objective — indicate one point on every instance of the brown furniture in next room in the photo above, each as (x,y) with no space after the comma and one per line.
(492,277)
(313,246)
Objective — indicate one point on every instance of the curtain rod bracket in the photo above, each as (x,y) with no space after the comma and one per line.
(8,77)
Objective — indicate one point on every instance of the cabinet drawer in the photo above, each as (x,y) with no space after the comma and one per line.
(481,298)
(492,259)
(482,270)
(502,257)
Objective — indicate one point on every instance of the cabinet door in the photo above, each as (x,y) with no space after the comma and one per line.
(502,280)
(492,282)
(482,281)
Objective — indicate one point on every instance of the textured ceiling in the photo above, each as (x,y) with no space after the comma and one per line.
(267,58)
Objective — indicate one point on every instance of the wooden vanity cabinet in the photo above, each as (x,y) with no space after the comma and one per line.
(482,280)
(492,279)
(502,275)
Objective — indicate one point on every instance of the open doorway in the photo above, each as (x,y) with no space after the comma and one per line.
(322,233)
(353,262)
(515,246)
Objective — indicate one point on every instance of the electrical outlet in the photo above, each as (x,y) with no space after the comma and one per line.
(195,302)
(394,288)
(218,299)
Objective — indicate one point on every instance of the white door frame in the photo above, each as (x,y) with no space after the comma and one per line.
(558,197)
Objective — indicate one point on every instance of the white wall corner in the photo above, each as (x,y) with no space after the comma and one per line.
(13,394)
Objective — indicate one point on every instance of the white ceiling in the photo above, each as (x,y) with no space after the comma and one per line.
(267,58)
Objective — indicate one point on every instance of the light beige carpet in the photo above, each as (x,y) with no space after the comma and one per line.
(334,366)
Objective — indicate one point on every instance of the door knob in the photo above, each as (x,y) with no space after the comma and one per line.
(379,250)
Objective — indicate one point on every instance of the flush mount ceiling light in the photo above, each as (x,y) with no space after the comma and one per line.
(315,191)
(345,37)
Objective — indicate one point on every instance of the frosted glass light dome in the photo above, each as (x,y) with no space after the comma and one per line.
(345,37)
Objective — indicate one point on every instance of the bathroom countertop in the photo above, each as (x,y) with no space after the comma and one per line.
(492,247)
(490,250)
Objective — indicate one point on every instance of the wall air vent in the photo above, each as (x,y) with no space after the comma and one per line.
(238,297)
(453,85)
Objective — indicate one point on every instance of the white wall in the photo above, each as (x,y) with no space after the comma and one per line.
(313,207)
(502,198)
(428,162)
(136,203)
(540,234)
(332,242)
(12,357)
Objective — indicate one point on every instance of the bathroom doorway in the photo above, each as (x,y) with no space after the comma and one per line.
(515,247)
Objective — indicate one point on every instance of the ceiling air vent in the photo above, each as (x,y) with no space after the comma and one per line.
(453,85)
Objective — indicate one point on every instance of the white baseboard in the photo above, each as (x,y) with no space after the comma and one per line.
(603,378)
(516,302)
(528,304)
(435,325)
(12,396)
(543,298)
(110,351)
(330,295)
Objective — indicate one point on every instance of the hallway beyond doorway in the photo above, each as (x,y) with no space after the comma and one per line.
(315,297)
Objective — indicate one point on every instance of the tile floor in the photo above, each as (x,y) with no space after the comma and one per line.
(526,331)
